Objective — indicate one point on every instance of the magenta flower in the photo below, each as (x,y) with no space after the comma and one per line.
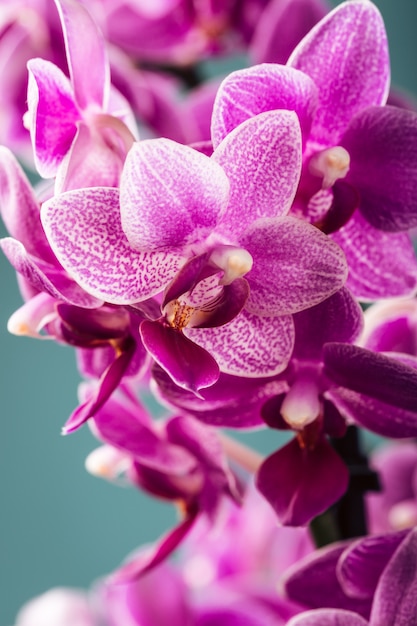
(177,204)
(371,582)
(359,177)
(81,120)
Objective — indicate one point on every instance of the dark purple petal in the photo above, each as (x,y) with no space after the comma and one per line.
(327,617)
(295,266)
(395,599)
(338,318)
(281,26)
(300,483)
(170,195)
(249,345)
(108,383)
(132,570)
(102,324)
(312,582)
(361,564)
(53,115)
(85,50)
(372,374)
(344,203)
(128,428)
(190,366)
(188,277)
(267,87)
(231,402)
(381,265)
(262,160)
(351,72)
(227,306)
(20,210)
(382,143)
(85,233)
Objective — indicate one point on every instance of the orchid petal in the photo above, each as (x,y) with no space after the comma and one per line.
(381,142)
(327,617)
(313,582)
(281,27)
(20,209)
(396,595)
(346,55)
(123,426)
(189,365)
(89,162)
(249,345)
(44,277)
(295,266)
(338,318)
(381,265)
(227,403)
(108,383)
(262,160)
(85,233)
(53,115)
(134,569)
(267,87)
(300,483)
(171,195)
(361,564)
(85,49)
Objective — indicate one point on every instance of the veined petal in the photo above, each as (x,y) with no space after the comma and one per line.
(300,483)
(85,233)
(396,595)
(262,160)
(266,87)
(295,266)
(171,195)
(189,365)
(53,115)
(382,144)
(346,55)
(86,55)
(327,617)
(381,265)
(249,345)
(20,209)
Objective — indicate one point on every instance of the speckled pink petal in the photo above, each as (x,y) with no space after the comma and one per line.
(249,345)
(267,87)
(295,266)
(45,277)
(85,233)
(170,195)
(20,210)
(346,55)
(52,113)
(262,160)
(381,265)
(86,54)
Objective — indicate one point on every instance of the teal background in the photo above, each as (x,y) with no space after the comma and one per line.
(59,525)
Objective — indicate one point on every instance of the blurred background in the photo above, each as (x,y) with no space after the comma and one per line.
(59,525)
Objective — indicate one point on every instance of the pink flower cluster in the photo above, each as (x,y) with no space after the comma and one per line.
(213,242)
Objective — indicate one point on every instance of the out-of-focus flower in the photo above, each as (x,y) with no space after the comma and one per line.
(81,128)
(374,577)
